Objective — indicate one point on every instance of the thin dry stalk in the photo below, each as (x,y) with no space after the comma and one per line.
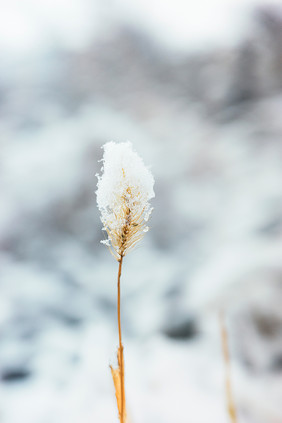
(226,356)
(118,373)
(122,241)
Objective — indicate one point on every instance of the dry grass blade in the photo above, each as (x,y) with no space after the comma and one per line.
(118,377)
(228,391)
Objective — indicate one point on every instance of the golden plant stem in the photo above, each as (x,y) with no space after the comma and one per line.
(226,355)
(120,343)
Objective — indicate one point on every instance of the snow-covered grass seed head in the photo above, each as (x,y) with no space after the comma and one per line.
(123,193)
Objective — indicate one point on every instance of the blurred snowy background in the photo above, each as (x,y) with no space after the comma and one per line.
(197,88)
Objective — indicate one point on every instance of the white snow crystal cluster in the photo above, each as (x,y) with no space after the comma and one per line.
(123,193)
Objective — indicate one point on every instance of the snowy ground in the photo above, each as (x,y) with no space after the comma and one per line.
(207,119)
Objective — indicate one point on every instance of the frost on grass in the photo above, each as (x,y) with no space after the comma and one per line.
(124,190)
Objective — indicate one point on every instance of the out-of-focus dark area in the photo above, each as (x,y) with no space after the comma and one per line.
(197,89)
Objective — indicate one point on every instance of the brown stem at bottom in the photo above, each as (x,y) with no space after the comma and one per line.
(120,343)
(226,355)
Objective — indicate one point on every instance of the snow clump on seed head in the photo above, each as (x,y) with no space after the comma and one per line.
(123,193)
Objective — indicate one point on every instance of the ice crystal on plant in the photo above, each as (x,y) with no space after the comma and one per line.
(124,190)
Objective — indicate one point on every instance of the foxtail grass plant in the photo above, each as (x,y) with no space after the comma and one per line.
(227,364)
(124,190)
